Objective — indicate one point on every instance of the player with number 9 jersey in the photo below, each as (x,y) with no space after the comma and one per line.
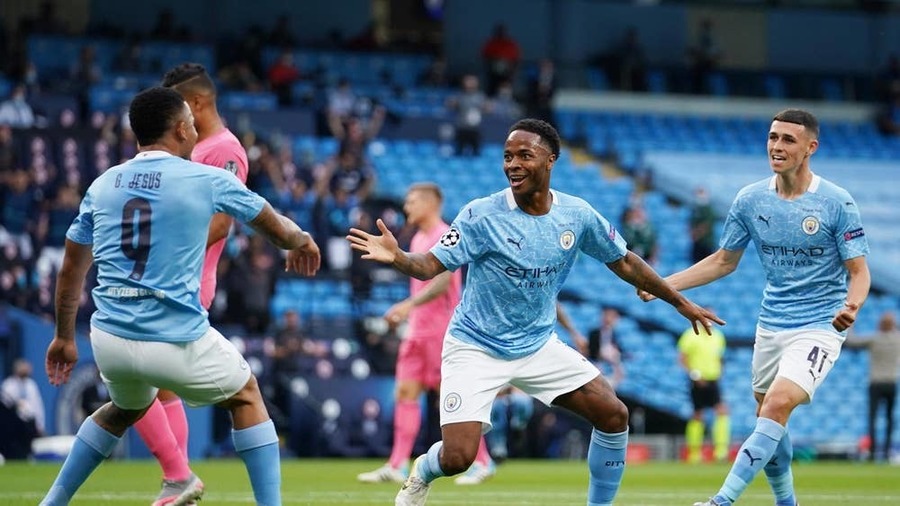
(149,253)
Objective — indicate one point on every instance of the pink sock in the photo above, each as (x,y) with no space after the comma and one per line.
(154,430)
(178,424)
(407,419)
(483,457)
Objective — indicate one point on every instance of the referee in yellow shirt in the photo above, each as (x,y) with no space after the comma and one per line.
(701,355)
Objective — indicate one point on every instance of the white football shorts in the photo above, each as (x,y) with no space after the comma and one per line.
(471,378)
(803,356)
(206,371)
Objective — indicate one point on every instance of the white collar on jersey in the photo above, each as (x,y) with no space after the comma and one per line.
(511,201)
(813,185)
(156,153)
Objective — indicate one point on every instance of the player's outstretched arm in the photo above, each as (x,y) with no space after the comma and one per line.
(718,265)
(634,270)
(62,354)
(857,291)
(303,252)
(384,248)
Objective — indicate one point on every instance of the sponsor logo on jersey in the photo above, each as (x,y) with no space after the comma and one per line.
(853,234)
(231,166)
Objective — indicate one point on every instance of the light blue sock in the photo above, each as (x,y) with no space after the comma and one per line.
(778,471)
(606,463)
(258,448)
(754,454)
(430,466)
(92,445)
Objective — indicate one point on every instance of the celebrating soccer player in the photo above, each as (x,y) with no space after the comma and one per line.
(520,245)
(809,238)
(144,223)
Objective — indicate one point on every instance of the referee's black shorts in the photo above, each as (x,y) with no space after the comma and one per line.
(706,395)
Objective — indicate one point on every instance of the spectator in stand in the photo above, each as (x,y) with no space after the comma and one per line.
(702,223)
(541,88)
(889,81)
(282,35)
(14,287)
(356,133)
(884,364)
(436,73)
(349,173)
(341,106)
(889,117)
(282,76)
(20,395)
(22,388)
(290,345)
(83,74)
(15,111)
(501,57)
(239,76)
(638,233)
(631,62)
(504,104)
(9,154)
(470,105)
(164,29)
(603,346)
(256,269)
(130,59)
(18,207)
(46,22)
(703,57)
(52,225)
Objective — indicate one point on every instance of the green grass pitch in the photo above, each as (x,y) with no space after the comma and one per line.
(518,482)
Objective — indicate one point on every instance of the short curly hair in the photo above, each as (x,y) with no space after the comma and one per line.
(152,112)
(545,130)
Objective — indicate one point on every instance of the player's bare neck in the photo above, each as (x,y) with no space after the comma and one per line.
(792,185)
(535,204)
(209,127)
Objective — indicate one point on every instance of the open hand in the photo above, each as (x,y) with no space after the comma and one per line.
(380,248)
(304,260)
(62,354)
(696,314)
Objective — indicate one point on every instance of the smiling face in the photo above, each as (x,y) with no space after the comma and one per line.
(790,145)
(527,161)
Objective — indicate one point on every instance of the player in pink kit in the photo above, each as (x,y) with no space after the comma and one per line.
(428,309)
(164,428)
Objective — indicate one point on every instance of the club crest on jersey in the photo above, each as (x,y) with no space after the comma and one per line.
(452,402)
(567,240)
(450,238)
(231,166)
(810,225)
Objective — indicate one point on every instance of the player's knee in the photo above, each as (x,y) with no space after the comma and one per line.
(776,407)
(115,419)
(455,460)
(614,419)
(248,394)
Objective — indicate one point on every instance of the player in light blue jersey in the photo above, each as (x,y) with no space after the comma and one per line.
(520,245)
(144,224)
(809,238)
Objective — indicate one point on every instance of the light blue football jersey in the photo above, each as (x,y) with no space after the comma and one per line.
(802,245)
(147,221)
(517,264)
